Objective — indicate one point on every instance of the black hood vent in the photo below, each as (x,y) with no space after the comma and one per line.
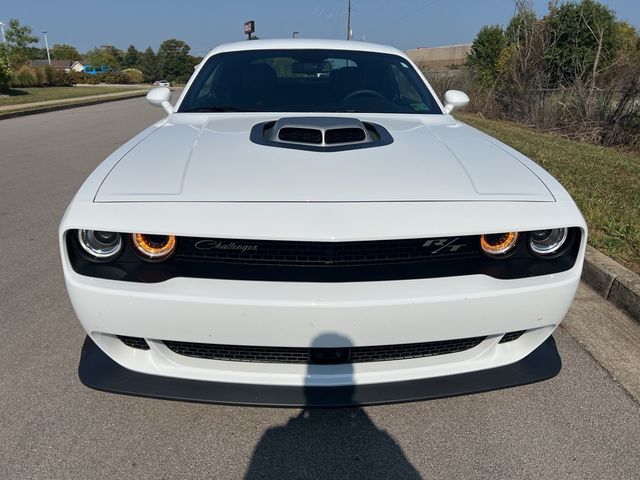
(327,134)
(344,135)
(300,135)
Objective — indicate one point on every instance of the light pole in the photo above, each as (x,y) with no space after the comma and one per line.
(46,43)
(349,31)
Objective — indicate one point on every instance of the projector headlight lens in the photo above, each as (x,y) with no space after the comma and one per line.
(154,247)
(498,244)
(548,242)
(100,244)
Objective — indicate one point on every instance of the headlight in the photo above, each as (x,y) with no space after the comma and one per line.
(548,242)
(497,244)
(154,247)
(100,244)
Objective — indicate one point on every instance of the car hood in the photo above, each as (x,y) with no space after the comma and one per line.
(210,158)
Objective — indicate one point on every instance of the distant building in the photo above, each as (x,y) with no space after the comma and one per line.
(77,66)
(439,58)
(55,64)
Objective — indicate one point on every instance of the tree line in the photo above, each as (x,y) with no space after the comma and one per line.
(172,61)
(574,71)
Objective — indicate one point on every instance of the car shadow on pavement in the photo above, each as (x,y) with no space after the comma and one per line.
(332,443)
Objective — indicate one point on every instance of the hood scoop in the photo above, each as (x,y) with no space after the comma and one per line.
(328,134)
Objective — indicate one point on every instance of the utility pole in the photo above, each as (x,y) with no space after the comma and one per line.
(46,43)
(4,40)
(349,31)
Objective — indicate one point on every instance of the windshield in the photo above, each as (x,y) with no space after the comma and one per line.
(308,81)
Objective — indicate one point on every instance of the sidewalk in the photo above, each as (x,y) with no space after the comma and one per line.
(8,111)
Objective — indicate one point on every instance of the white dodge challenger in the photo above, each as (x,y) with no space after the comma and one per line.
(309,226)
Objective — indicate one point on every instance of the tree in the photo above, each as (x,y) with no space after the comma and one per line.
(521,24)
(62,51)
(5,71)
(131,58)
(174,60)
(115,53)
(485,53)
(629,43)
(105,55)
(585,41)
(149,65)
(20,42)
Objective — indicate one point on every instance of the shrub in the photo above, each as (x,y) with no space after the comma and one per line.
(60,78)
(5,73)
(42,76)
(92,79)
(25,76)
(133,75)
(78,77)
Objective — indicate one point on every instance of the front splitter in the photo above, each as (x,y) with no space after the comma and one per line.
(99,371)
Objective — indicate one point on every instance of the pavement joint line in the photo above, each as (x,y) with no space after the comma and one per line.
(613,281)
(608,371)
(24,110)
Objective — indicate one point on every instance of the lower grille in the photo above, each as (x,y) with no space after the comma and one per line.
(134,342)
(380,353)
(511,336)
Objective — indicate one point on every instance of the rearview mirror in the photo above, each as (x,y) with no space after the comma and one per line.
(311,68)
(454,99)
(159,97)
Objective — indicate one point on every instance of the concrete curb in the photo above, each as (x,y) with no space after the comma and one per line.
(64,106)
(613,281)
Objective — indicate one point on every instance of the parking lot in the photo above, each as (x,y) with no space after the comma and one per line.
(581,424)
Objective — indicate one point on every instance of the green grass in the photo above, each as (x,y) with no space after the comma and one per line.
(604,182)
(18,96)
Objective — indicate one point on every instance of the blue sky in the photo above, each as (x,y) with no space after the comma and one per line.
(204,24)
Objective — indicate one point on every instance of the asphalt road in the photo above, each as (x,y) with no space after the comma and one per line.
(581,424)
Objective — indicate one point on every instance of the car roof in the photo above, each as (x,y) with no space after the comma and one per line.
(304,44)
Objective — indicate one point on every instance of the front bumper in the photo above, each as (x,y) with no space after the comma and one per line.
(279,314)
(100,372)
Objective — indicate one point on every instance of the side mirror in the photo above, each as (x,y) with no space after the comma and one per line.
(159,97)
(454,99)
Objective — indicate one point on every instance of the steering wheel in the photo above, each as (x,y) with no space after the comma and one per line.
(349,96)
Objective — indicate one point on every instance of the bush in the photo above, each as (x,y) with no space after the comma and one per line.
(78,77)
(60,78)
(25,76)
(113,77)
(133,75)
(5,73)
(571,72)
(92,79)
(42,76)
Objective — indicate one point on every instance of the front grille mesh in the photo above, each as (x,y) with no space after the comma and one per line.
(242,353)
(511,336)
(134,342)
(359,253)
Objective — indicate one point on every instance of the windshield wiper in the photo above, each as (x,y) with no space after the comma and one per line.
(216,109)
